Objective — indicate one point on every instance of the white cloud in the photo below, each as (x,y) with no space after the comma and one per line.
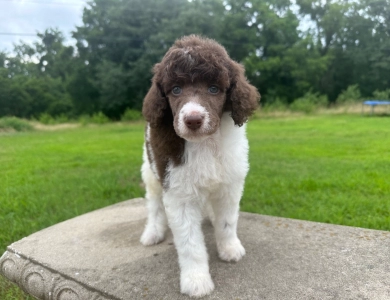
(31,16)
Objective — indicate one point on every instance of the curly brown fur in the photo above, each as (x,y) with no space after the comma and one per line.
(242,97)
(196,62)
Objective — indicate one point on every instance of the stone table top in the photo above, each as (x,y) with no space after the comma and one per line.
(98,256)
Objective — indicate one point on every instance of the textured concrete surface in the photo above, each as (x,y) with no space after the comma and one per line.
(98,256)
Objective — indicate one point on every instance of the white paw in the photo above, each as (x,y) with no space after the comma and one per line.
(196,284)
(151,237)
(231,250)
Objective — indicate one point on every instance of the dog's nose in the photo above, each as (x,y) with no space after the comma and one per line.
(193,121)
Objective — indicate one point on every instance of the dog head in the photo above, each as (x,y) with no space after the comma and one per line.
(193,85)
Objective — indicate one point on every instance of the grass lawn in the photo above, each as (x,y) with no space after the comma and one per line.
(48,177)
(327,168)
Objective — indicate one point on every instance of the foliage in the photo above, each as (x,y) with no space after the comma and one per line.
(309,102)
(351,94)
(303,105)
(13,123)
(50,120)
(46,119)
(131,115)
(381,95)
(96,118)
(99,118)
(84,120)
(288,49)
(277,105)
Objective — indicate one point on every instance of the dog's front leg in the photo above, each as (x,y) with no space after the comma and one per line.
(185,219)
(226,208)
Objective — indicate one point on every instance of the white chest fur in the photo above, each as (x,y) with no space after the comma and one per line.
(222,158)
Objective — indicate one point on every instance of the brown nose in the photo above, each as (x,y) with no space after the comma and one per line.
(193,121)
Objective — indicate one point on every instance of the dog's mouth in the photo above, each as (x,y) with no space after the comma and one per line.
(194,129)
(195,136)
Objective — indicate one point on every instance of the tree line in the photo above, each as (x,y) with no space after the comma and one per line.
(288,47)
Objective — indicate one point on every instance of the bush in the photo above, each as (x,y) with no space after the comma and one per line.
(13,123)
(381,95)
(351,94)
(276,104)
(46,119)
(84,120)
(96,118)
(99,118)
(62,118)
(303,105)
(131,115)
(309,102)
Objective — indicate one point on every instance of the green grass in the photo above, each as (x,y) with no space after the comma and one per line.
(48,177)
(327,168)
(333,169)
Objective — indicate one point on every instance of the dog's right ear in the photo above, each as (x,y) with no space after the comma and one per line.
(155,107)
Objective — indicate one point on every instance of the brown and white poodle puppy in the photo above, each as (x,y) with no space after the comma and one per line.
(196,154)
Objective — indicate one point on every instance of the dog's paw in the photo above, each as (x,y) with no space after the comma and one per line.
(196,284)
(231,250)
(151,237)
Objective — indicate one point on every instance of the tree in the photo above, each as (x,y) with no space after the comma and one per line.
(288,50)
(355,34)
(275,61)
(121,43)
(55,59)
(83,93)
(34,78)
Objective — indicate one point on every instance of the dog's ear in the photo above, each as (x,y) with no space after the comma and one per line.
(156,108)
(242,97)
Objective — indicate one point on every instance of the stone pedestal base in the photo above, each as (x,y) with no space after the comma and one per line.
(98,256)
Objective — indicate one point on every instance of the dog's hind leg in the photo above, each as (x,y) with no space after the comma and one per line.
(156,225)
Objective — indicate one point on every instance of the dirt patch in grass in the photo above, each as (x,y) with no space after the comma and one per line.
(40,126)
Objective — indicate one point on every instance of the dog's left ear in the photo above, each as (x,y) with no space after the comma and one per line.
(242,97)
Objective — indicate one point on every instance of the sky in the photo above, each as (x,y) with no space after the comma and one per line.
(22,19)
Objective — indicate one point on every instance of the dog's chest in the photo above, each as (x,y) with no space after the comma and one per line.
(203,163)
(208,165)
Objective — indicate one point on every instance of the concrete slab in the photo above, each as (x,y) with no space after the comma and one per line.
(98,256)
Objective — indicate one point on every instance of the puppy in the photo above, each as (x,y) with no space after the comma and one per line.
(196,154)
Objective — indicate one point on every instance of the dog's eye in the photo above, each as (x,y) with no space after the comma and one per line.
(176,90)
(213,89)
